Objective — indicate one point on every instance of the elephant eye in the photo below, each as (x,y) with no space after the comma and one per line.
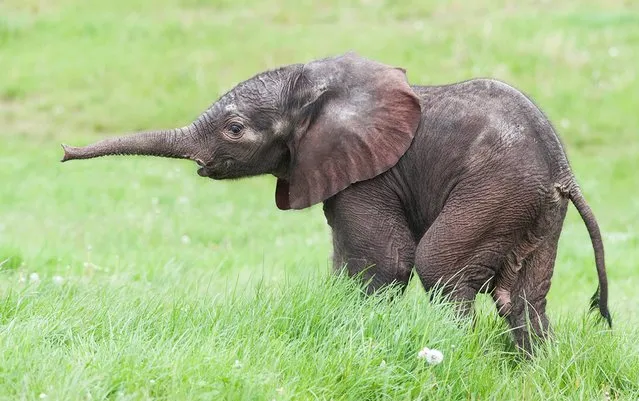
(235,128)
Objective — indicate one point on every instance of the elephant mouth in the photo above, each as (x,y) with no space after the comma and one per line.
(209,172)
(203,172)
(282,194)
(218,170)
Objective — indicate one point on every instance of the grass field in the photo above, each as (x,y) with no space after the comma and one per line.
(134,279)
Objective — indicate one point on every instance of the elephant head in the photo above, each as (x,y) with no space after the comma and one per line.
(318,127)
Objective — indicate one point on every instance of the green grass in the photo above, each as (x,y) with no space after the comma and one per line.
(169,279)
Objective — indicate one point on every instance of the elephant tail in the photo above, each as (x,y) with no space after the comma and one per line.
(600,297)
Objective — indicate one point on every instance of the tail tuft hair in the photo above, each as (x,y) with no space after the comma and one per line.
(595,304)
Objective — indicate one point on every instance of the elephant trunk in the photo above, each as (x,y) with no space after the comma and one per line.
(175,143)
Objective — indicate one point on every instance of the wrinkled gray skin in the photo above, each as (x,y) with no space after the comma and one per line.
(467,183)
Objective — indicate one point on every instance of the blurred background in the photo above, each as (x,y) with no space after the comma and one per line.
(76,71)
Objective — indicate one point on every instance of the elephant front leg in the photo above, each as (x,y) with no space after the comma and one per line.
(371,238)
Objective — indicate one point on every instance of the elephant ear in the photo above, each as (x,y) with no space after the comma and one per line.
(358,117)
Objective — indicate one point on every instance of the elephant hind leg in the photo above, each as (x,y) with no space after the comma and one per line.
(482,245)
(508,274)
(460,253)
(526,313)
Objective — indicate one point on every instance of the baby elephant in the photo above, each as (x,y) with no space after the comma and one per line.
(468,183)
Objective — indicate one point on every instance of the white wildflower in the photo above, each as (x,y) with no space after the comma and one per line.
(58,280)
(237,364)
(382,364)
(34,278)
(432,356)
(43,396)
(185,239)
(152,381)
